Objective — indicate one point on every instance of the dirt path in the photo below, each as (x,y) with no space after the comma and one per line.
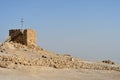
(46,73)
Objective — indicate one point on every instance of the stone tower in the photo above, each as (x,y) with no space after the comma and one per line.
(26,37)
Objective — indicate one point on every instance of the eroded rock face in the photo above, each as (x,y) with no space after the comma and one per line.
(14,55)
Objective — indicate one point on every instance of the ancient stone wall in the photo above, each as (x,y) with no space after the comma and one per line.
(25,37)
(30,36)
(16,35)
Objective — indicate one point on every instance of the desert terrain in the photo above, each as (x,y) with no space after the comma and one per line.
(47,73)
(19,62)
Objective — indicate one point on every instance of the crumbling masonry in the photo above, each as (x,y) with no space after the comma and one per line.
(26,37)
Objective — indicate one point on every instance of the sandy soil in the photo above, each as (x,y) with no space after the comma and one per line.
(46,73)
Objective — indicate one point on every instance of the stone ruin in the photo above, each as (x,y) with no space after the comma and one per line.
(24,36)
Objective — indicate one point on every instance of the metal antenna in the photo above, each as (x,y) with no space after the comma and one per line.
(22,23)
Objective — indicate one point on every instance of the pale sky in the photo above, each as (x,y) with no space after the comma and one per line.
(89,29)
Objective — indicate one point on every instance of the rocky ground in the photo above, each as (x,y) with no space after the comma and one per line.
(39,64)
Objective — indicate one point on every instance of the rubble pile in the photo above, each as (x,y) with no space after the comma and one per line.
(13,55)
(108,62)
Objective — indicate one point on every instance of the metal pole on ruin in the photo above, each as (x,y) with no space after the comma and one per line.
(22,23)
